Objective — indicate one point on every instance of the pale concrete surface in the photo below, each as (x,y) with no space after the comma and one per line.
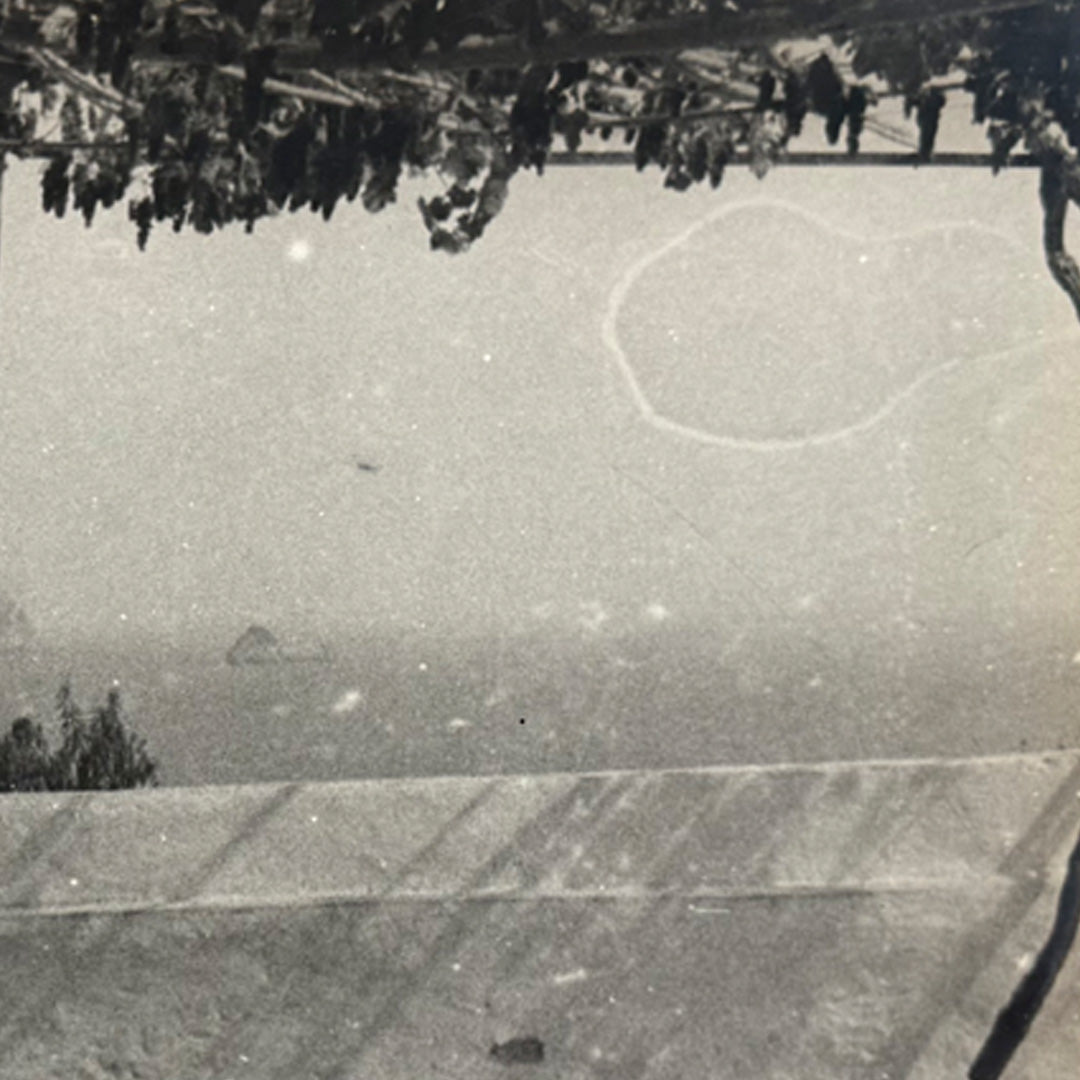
(841,920)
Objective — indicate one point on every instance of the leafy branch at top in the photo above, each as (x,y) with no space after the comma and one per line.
(201,114)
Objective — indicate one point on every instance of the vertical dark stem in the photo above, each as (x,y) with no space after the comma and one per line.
(1015,1019)
(1055,202)
(3,166)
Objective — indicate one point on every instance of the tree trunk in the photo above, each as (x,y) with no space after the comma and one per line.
(766,25)
(832,159)
(1055,202)
(1014,1021)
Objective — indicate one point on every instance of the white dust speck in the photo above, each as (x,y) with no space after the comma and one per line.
(458,723)
(657,612)
(499,696)
(570,977)
(299,251)
(349,702)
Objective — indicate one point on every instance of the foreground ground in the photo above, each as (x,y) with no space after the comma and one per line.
(862,920)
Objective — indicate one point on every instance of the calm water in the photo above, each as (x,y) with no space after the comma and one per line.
(397,707)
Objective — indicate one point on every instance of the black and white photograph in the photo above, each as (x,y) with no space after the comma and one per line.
(539,539)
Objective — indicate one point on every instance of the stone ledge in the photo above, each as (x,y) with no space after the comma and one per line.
(835,826)
(850,920)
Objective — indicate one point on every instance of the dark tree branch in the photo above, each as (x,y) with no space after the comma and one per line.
(86,85)
(1015,1019)
(765,26)
(1055,202)
(43,148)
(867,159)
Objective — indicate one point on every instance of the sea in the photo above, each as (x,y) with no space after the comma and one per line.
(405,704)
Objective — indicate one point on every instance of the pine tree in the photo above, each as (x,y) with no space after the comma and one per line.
(96,753)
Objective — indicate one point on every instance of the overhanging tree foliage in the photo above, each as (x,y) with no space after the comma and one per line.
(202,113)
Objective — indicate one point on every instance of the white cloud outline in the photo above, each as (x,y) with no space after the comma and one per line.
(647,411)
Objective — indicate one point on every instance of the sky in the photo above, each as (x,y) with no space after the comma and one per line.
(838,398)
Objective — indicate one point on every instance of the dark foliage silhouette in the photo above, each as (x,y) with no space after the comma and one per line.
(96,751)
(204,115)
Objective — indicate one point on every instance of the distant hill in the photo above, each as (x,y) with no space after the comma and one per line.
(257,645)
(16,630)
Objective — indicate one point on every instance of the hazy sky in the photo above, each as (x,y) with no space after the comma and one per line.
(845,398)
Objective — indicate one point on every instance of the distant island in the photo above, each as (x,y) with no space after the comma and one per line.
(257,645)
(16,630)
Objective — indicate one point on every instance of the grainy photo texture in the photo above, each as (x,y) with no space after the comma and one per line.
(538,539)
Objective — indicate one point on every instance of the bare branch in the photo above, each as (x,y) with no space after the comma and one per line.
(1055,202)
(338,87)
(1014,1021)
(302,93)
(829,158)
(676,35)
(662,37)
(105,96)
